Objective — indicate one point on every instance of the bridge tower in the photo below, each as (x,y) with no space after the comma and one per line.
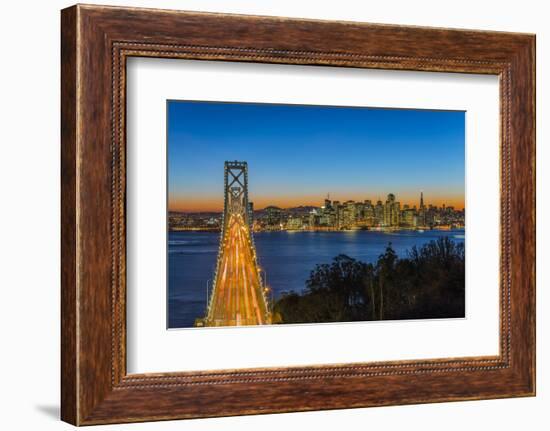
(238,292)
(235,194)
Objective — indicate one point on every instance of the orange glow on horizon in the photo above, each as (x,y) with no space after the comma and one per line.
(215,204)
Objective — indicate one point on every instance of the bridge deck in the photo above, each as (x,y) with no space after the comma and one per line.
(238,297)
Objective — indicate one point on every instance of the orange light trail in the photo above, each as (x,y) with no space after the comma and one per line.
(237,296)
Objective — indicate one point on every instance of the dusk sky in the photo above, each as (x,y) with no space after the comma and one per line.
(298,154)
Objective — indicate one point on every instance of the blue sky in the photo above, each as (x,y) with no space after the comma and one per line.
(297,154)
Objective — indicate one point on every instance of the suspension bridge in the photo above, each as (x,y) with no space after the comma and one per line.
(238,292)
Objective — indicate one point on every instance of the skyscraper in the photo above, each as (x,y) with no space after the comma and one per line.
(421,211)
(392,208)
(379,213)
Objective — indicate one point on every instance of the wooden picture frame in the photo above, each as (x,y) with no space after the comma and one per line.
(95,43)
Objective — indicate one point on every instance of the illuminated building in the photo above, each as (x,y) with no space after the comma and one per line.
(273,215)
(379,214)
(294,223)
(391,211)
(421,217)
(408,218)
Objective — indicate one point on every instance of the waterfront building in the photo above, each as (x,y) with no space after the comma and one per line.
(391,211)
(368,214)
(327,217)
(339,214)
(421,217)
(273,215)
(313,219)
(379,213)
(349,215)
(408,217)
(294,223)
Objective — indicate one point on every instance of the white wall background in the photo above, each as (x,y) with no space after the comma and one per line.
(29,215)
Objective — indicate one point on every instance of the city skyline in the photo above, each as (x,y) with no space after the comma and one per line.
(298,154)
(318,203)
(333,215)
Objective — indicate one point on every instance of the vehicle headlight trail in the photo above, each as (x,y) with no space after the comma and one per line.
(238,295)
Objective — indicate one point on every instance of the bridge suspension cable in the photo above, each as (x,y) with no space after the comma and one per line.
(238,293)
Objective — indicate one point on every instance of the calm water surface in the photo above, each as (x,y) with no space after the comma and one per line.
(287,258)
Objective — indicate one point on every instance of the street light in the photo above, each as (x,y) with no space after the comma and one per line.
(269,292)
(266,288)
(207,292)
(260,270)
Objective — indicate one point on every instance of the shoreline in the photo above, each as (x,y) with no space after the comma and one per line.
(436,229)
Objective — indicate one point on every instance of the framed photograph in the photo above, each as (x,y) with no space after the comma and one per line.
(266,215)
(328,260)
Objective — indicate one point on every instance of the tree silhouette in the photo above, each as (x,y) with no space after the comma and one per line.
(428,283)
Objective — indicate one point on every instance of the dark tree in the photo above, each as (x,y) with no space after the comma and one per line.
(428,283)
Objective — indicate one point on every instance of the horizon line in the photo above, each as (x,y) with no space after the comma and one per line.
(220,210)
